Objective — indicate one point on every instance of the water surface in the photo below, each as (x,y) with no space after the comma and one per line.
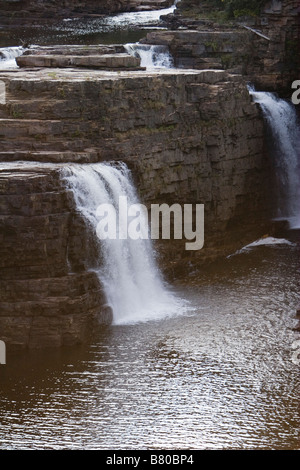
(219,377)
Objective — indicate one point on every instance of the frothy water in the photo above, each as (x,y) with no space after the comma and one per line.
(152,56)
(8,57)
(282,121)
(265,241)
(112,25)
(140,18)
(127,268)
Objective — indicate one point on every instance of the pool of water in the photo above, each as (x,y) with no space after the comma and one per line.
(221,376)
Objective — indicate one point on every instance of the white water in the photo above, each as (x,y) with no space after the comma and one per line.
(282,121)
(265,241)
(152,56)
(8,57)
(131,21)
(140,18)
(126,268)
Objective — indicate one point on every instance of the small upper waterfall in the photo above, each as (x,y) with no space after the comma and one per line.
(282,121)
(8,56)
(126,267)
(152,56)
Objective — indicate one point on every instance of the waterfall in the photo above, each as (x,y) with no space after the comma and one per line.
(152,56)
(126,268)
(282,121)
(8,55)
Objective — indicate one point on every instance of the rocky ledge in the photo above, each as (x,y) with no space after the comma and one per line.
(264,47)
(91,57)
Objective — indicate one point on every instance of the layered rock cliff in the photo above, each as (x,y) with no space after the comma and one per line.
(188,136)
(264,47)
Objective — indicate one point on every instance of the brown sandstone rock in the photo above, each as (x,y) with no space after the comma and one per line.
(189,137)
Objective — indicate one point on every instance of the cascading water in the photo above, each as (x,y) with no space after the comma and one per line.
(283,123)
(8,56)
(140,18)
(126,267)
(152,56)
(129,22)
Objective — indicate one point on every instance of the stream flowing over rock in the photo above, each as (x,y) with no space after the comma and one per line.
(30,9)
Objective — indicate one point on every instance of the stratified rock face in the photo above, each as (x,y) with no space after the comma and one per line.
(210,49)
(90,57)
(47,297)
(280,21)
(188,136)
(268,54)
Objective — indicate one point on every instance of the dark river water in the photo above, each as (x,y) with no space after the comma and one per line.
(223,376)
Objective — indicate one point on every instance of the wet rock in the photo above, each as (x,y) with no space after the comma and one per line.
(106,315)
